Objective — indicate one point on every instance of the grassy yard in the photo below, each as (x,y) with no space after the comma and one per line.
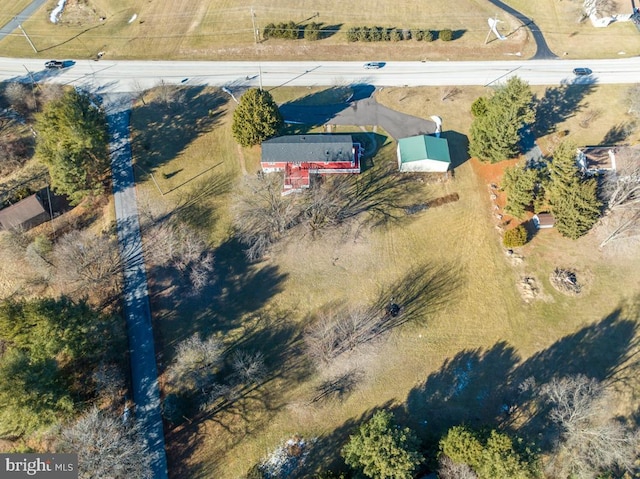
(476,332)
(223,30)
(569,39)
(10,11)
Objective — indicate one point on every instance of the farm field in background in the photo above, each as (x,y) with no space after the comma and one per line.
(482,325)
(223,30)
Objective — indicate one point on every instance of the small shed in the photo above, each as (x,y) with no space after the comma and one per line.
(423,153)
(24,214)
(543,221)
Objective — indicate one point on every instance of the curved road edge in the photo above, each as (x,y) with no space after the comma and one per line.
(144,371)
(543,52)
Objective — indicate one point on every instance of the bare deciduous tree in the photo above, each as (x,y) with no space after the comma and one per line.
(20,97)
(590,441)
(109,380)
(448,469)
(85,259)
(263,214)
(248,368)
(621,193)
(196,363)
(632,99)
(106,447)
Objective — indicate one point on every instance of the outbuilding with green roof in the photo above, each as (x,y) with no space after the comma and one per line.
(423,153)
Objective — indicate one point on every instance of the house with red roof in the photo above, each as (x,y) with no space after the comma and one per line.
(300,156)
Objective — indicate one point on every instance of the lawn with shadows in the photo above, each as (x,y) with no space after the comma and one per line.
(463,339)
(165,125)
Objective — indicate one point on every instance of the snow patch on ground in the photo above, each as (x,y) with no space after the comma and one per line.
(56,12)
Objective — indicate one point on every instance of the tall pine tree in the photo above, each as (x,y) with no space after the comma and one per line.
(495,133)
(573,198)
(256,118)
(72,142)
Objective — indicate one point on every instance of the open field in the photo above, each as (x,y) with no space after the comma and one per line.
(570,39)
(223,30)
(477,331)
(11,10)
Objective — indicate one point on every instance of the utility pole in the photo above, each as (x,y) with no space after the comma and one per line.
(28,39)
(256,33)
(33,83)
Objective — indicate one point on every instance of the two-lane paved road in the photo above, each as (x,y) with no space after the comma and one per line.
(120,76)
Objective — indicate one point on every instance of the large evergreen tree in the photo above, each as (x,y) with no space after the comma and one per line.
(381,450)
(256,118)
(573,198)
(72,141)
(525,189)
(495,133)
(491,455)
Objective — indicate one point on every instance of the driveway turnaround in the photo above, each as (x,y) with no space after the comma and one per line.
(21,17)
(363,112)
(144,371)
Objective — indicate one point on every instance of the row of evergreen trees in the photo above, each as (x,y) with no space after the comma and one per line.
(383,34)
(292,31)
(313,31)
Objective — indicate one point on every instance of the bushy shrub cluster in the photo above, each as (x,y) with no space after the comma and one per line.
(515,237)
(289,30)
(383,34)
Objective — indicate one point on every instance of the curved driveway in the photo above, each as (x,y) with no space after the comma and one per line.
(542,49)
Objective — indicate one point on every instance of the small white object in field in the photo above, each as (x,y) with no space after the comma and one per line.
(56,12)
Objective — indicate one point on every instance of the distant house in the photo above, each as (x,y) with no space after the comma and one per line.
(25,214)
(543,221)
(299,156)
(423,153)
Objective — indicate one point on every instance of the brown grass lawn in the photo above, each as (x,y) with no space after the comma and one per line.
(479,335)
(558,21)
(11,10)
(222,30)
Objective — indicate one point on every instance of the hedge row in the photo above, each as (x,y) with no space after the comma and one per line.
(382,34)
(292,31)
(312,31)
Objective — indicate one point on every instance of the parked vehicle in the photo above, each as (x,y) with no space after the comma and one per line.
(374,65)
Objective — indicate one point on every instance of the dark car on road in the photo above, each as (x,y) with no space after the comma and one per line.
(582,71)
(51,64)
(374,65)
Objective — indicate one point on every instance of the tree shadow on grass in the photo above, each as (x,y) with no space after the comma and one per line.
(163,129)
(558,104)
(481,387)
(421,292)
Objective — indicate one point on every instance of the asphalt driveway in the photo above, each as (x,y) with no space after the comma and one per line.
(363,112)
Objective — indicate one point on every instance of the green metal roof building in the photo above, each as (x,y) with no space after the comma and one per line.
(423,153)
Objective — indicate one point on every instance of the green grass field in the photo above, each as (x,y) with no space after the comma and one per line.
(223,30)
(480,331)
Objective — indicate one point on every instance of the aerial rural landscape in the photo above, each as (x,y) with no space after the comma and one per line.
(280,240)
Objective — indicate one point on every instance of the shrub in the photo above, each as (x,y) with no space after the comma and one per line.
(396,35)
(417,34)
(268,31)
(352,34)
(427,36)
(515,237)
(446,35)
(312,32)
